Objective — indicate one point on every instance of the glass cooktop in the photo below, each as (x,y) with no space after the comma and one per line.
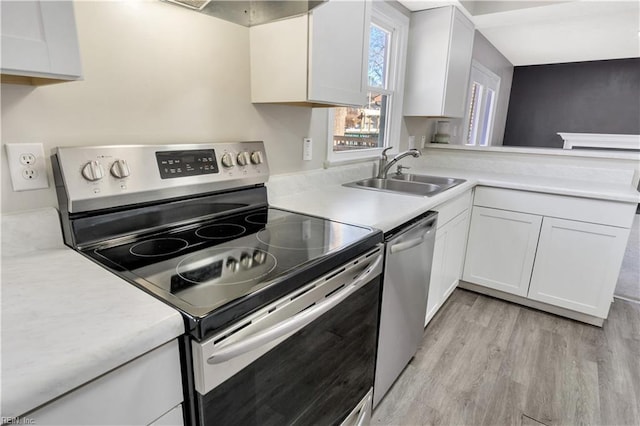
(212,263)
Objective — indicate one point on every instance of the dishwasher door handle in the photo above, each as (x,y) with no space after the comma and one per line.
(406,245)
(296,322)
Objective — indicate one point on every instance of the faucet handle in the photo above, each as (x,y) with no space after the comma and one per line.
(400,168)
(384,152)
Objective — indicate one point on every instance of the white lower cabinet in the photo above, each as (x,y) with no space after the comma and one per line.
(501,249)
(172,418)
(448,252)
(556,253)
(577,265)
(448,256)
(148,389)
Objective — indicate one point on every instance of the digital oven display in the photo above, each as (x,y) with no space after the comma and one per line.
(174,164)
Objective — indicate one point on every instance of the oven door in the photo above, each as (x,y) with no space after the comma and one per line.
(308,358)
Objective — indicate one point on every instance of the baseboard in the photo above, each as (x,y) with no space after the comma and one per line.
(567,313)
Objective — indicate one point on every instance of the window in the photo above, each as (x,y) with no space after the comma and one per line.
(483,92)
(362,132)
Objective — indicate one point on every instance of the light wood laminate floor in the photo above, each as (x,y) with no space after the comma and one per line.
(484,361)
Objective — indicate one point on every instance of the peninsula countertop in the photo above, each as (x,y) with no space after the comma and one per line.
(66,320)
(386,210)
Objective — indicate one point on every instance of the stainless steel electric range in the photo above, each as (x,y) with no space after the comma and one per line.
(281,309)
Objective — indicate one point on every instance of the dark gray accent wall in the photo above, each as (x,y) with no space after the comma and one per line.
(579,97)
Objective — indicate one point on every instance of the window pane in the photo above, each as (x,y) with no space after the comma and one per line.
(378,54)
(360,128)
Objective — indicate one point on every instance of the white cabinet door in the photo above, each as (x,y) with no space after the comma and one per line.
(316,59)
(338,49)
(438,63)
(448,257)
(438,272)
(39,39)
(501,249)
(577,265)
(456,245)
(459,66)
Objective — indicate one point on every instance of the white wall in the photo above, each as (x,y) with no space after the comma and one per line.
(154,73)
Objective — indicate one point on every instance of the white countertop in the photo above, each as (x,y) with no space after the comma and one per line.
(66,320)
(385,210)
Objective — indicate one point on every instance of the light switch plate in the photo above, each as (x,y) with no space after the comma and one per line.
(27,166)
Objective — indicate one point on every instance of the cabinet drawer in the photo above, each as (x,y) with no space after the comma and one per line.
(452,208)
(581,209)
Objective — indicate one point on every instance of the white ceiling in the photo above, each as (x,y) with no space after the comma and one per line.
(546,32)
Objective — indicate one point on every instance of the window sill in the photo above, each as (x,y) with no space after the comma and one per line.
(359,157)
(335,163)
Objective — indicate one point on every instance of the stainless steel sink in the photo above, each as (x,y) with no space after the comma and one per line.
(420,185)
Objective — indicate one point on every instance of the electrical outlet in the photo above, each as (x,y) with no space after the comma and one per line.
(27,166)
(307,149)
(27,159)
(29,174)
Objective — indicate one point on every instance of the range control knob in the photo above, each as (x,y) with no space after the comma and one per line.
(227,160)
(246,261)
(259,257)
(244,158)
(256,157)
(120,169)
(232,264)
(92,171)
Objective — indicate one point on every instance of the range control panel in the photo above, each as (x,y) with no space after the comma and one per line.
(98,177)
(174,164)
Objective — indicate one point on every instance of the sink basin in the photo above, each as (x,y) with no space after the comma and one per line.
(420,185)
(435,180)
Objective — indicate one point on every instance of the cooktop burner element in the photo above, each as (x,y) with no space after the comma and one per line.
(309,234)
(158,247)
(266,216)
(220,231)
(257,219)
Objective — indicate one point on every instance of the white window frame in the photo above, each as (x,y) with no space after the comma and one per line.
(488,79)
(389,18)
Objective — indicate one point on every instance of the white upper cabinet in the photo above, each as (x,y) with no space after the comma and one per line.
(39,42)
(438,63)
(317,59)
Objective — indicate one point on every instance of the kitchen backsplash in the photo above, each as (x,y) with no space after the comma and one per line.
(154,73)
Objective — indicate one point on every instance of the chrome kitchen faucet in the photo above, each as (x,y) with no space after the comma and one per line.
(384,165)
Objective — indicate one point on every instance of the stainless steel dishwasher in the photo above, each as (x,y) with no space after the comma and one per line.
(409,253)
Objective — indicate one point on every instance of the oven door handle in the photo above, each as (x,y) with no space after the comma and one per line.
(296,322)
